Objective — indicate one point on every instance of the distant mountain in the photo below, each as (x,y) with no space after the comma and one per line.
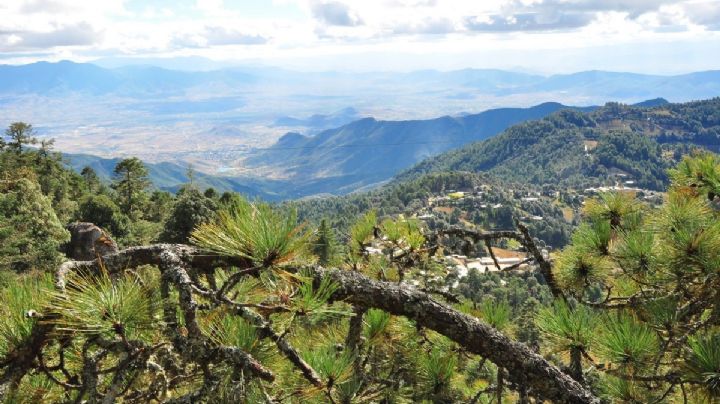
(133,79)
(167,176)
(170,177)
(486,80)
(328,152)
(572,147)
(183,63)
(361,154)
(616,85)
(579,148)
(50,79)
(319,121)
(369,151)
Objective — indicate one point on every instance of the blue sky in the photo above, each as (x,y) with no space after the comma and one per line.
(547,36)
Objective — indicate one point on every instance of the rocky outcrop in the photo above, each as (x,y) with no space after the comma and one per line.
(88,241)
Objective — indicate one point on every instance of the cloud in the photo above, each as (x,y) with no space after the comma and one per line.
(210,6)
(427,26)
(558,15)
(224,36)
(80,34)
(335,13)
(210,36)
(412,3)
(66,8)
(706,13)
(432,17)
(43,6)
(277,29)
(634,8)
(528,22)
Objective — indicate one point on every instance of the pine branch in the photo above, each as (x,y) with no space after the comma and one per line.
(544,380)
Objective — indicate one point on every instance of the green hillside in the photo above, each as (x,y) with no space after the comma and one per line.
(589,148)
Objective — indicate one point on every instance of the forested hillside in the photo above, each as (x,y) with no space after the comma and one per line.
(555,158)
(495,207)
(585,149)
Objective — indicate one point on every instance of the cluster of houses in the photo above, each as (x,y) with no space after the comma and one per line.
(463,265)
(452,197)
(627,186)
(509,258)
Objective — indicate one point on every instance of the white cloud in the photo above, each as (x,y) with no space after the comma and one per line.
(704,12)
(80,34)
(209,36)
(429,26)
(219,29)
(335,13)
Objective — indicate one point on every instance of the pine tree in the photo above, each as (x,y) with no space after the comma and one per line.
(102,211)
(92,181)
(20,134)
(160,206)
(656,317)
(324,245)
(131,182)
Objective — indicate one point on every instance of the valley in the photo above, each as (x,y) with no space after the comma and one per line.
(234,123)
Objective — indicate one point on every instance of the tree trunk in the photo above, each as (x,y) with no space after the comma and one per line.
(576,370)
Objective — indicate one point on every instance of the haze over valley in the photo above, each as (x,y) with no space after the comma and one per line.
(234,122)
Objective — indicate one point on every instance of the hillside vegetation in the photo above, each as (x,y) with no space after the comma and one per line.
(584,148)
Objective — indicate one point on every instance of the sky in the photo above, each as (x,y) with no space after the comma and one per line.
(540,36)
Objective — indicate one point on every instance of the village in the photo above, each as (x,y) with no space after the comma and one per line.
(460,206)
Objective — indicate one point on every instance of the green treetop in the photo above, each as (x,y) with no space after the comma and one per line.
(131,182)
(30,232)
(191,210)
(324,245)
(20,134)
(642,290)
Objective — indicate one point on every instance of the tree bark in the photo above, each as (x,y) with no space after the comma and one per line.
(525,367)
(352,341)
(576,371)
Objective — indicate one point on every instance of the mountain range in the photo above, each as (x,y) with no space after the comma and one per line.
(341,160)
(536,145)
(46,78)
(167,176)
(63,77)
(367,151)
